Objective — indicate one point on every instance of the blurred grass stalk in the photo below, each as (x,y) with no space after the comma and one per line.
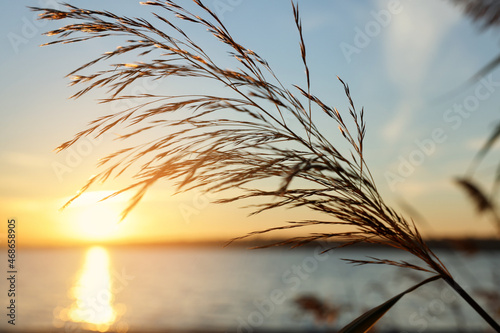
(257,131)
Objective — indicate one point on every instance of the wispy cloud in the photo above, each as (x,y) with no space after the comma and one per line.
(400,120)
(413,39)
(19,159)
(414,188)
(411,43)
(475,144)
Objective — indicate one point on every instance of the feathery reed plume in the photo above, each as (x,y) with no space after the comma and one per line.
(322,310)
(233,141)
(478,197)
(485,12)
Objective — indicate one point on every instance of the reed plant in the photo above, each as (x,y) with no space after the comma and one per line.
(257,130)
(486,15)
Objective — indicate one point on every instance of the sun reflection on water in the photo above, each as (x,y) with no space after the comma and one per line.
(92,292)
(92,295)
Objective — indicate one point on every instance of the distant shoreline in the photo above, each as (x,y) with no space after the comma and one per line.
(460,244)
(234,330)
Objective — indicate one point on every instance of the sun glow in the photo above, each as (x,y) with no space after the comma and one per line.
(94,220)
(97,222)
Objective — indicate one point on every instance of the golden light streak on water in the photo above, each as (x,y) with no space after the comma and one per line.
(92,293)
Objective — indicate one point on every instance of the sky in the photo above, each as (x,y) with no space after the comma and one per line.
(401,60)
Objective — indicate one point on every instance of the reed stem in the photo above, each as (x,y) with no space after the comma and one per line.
(472,303)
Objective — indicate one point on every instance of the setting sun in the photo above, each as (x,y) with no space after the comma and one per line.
(92,220)
(98,222)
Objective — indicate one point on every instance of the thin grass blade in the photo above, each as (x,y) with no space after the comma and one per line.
(484,149)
